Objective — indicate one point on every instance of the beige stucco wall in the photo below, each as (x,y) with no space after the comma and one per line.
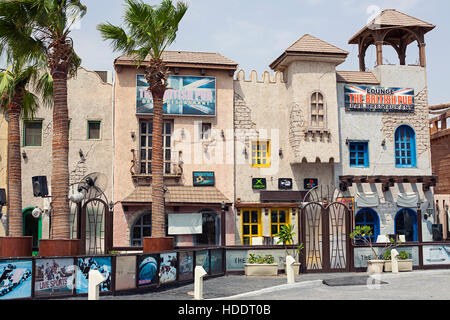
(268,108)
(218,158)
(89,98)
(3,167)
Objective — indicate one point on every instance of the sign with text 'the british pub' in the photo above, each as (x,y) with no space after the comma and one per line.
(378,99)
(185,96)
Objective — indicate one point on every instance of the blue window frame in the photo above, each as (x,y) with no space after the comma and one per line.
(359,154)
(405,147)
(406,224)
(368,217)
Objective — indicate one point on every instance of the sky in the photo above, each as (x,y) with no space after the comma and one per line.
(254,33)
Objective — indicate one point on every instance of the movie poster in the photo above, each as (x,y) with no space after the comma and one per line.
(148,269)
(168,267)
(202,259)
(186,266)
(54,277)
(125,272)
(84,265)
(15,279)
(216,261)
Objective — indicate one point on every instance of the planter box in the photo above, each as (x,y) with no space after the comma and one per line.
(261,269)
(296,269)
(403,265)
(16,247)
(375,266)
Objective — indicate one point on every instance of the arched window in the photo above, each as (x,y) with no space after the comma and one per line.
(317,111)
(405,147)
(368,217)
(406,224)
(141,228)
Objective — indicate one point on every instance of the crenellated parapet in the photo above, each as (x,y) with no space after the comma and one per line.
(266,77)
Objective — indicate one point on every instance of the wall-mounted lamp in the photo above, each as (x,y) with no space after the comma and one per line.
(176,70)
(280,153)
(419,204)
(245,152)
(133,135)
(347,141)
(81,153)
(222,134)
(383,143)
(24,155)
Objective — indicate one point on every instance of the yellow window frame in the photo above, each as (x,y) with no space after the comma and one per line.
(257,151)
(278,223)
(250,224)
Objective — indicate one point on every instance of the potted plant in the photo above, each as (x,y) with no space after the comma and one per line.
(376,264)
(286,237)
(405,264)
(259,265)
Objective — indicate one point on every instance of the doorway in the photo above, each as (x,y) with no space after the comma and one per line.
(32,227)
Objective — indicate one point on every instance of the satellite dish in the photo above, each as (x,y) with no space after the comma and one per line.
(37,213)
(93,185)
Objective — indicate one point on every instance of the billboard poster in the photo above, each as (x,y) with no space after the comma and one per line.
(378,99)
(216,261)
(15,279)
(202,259)
(439,254)
(125,272)
(168,267)
(84,265)
(54,277)
(186,266)
(148,269)
(203,179)
(185,96)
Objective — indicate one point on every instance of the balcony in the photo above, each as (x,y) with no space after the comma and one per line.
(141,177)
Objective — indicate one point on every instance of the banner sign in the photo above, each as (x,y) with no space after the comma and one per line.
(285,184)
(310,183)
(54,277)
(378,99)
(203,179)
(15,279)
(185,96)
(259,183)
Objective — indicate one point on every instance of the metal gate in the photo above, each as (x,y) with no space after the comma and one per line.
(325,231)
(326,237)
(91,221)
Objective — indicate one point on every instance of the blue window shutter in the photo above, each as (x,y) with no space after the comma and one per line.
(405,147)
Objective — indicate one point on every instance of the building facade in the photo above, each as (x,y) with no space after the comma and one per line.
(90,146)
(198,150)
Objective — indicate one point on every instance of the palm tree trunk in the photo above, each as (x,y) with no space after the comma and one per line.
(60,229)
(158,212)
(14,171)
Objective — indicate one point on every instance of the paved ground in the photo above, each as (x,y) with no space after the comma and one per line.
(417,285)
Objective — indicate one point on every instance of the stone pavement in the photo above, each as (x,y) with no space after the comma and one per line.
(417,285)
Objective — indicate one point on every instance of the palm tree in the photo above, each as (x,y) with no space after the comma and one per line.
(50,22)
(16,101)
(150,29)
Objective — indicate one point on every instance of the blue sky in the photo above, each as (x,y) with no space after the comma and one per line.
(255,32)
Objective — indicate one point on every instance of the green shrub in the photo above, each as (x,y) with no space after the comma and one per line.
(259,259)
(403,255)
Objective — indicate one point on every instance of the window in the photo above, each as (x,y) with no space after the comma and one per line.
(146,134)
(141,228)
(261,154)
(205,134)
(94,130)
(32,135)
(278,218)
(359,154)
(368,217)
(406,224)
(211,228)
(317,111)
(251,225)
(405,147)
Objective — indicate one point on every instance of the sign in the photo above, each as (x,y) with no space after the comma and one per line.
(185,96)
(203,179)
(285,184)
(310,183)
(378,99)
(259,183)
